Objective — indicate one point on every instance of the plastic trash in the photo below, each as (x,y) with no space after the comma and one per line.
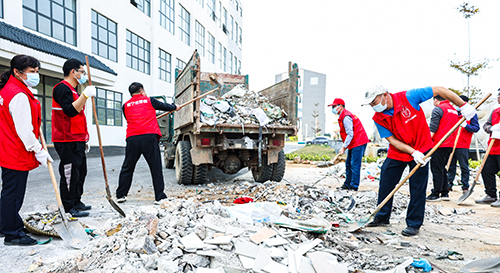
(258,212)
(243,200)
(315,225)
(237,91)
(422,263)
(207,114)
(222,105)
(261,116)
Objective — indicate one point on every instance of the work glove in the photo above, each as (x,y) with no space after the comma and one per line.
(468,111)
(463,124)
(89,91)
(43,156)
(495,134)
(87,147)
(495,127)
(419,158)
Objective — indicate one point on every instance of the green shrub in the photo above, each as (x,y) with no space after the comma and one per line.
(474,163)
(369,159)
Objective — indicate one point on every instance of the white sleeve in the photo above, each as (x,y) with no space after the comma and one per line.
(22,122)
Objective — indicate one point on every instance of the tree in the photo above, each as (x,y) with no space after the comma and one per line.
(315,115)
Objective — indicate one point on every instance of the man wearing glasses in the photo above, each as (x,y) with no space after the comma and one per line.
(70,135)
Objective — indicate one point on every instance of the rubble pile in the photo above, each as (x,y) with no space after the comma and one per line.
(241,106)
(289,229)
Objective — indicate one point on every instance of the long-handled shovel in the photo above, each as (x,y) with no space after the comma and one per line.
(71,232)
(453,151)
(365,220)
(108,192)
(471,189)
(213,80)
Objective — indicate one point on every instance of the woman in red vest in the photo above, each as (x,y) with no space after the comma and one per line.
(20,150)
(354,137)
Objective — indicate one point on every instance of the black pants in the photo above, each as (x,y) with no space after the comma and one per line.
(13,190)
(390,175)
(146,145)
(73,170)
(490,169)
(462,155)
(438,168)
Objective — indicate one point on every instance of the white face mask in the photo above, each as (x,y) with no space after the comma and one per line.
(380,107)
(334,110)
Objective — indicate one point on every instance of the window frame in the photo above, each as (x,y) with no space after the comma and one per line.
(108,32)
(220,55)
(199,41)
(141,6)
(180,64)
(163,15)
(167,71)
(140,60)
(1,8)
(105,109)
(185,35)
(211,48)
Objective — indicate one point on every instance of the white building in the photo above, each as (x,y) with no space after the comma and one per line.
(126,40)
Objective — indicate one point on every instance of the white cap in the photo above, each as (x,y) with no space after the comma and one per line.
(372,92)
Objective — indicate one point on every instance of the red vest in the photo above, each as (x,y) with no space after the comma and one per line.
(448,120)
(407,125)
(141,117)
(65,128)
(360,137)
(465,137)
(13,154)
(495,119)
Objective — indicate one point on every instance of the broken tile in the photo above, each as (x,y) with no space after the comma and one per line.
(262,234)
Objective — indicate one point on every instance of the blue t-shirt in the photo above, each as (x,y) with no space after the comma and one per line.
(415,97)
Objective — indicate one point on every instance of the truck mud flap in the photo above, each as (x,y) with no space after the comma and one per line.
(272,155)
(201,156)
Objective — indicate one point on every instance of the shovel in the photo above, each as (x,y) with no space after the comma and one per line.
(471,189)
(453,151)
(108,192)
(71,232)
(359,224)
(482,265)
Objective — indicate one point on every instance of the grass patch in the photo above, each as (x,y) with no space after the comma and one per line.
(313,152)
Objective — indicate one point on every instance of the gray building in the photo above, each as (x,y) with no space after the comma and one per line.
(312,101)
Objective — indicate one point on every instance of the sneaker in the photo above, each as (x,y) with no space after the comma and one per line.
(410,231)
(121,199)
(378,223)
(486,200)
(445,197)
(76,213)
(22,241)
(433,198)
(496,204)
(82,206)
(344,187)
(158,202)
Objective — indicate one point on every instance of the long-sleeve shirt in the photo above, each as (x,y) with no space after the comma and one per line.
(22,122)
(158,105)
(349,130)
(487,126)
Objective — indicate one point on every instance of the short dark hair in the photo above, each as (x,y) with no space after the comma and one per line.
(439,98)
(70,65)
(19,62)
(135,87)
(464,98)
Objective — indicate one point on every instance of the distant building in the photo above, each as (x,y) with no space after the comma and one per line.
(312,89)
(126,41)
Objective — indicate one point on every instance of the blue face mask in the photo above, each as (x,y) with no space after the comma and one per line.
(82,79)
(334,111)
(32,80)
(379,107)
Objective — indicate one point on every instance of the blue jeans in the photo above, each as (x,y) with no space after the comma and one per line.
(462,155)
(353,166)
(390,175)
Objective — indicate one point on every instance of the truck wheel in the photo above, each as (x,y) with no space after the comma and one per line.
(264,173)
(169,163)
(200,173)
(183,164)
(279,167)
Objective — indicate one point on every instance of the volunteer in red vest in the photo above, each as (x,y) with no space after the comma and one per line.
(70,135)
(143,134)
(400,119)
(354,139)
(492,164)
(462,151)
(444,116)
(20,150)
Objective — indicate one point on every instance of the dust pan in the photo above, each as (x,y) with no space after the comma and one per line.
(483,265)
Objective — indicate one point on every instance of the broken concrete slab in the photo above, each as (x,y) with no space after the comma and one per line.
(262,234)
(245,248)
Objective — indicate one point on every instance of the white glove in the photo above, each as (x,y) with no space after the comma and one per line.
(495,134)
(468,111)
(43,156)
(419,158)
(87,147)
(89,91)
(495,127)
(463,124)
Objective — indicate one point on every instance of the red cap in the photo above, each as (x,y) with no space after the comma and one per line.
(337,101)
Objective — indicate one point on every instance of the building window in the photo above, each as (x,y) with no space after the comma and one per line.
(165,66)
(225,59)
(224,18)
(184,26)
(52,18)
(236,35)
(167,15)
(200,2)
(211,48)
(142,5)
(137,53)
(240,35)
(239,67)
(200,38)
(230,62)
(231,28)
(211,9)
(180,64)
(235,65)
(220,14)
(1,8)
(104,37)
(108,107)
(220,56)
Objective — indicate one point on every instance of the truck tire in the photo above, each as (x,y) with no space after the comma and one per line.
(169,163)
(279,167)
(183,163)
(263,173)
(200,173)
